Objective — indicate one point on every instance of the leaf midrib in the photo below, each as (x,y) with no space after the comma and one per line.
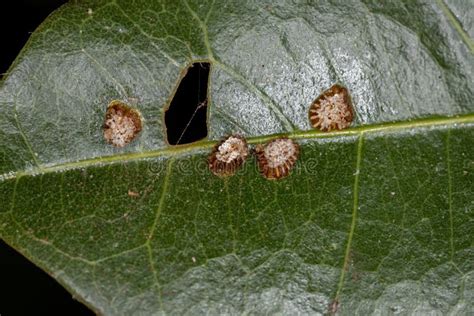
(207,144)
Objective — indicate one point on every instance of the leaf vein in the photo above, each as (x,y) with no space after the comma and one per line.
(457,26)
(354,217)
(204,30)
(172,151)
(159,209)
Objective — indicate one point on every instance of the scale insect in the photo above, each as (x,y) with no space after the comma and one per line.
(276,158)
(332,109)
(228,155)
(122,124)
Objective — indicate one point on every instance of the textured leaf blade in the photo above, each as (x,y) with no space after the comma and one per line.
(377,218)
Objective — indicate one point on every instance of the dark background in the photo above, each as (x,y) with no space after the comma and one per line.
(24,288)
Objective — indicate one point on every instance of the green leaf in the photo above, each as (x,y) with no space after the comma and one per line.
(375,219)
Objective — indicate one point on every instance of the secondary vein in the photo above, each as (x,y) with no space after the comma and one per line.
(355,206)
(457,26)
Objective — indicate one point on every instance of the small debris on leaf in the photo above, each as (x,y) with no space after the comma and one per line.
(133,193)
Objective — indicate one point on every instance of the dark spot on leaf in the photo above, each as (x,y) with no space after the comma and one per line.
(332,109)
(228,155)
(277,158)
(122,124)
(186,119)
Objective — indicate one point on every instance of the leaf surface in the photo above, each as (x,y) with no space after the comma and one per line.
(375,219)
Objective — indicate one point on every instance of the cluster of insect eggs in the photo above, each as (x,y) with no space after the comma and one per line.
(275,159)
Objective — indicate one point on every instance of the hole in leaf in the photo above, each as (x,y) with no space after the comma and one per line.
(186,117)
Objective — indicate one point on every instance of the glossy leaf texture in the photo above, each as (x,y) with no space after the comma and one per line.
(375,219)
